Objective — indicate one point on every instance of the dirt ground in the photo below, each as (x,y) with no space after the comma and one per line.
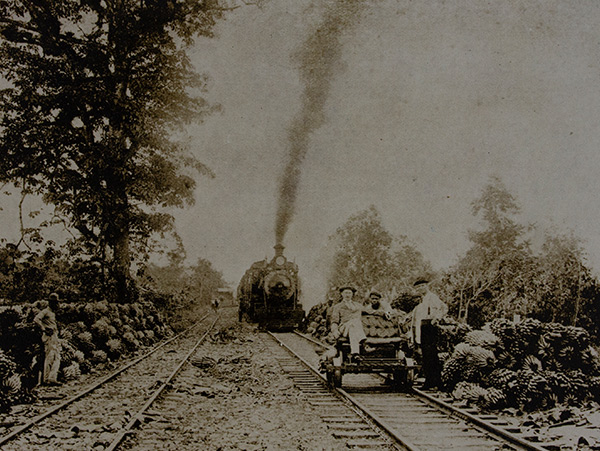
(235,396)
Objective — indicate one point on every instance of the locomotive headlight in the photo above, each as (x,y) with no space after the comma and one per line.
(280,260)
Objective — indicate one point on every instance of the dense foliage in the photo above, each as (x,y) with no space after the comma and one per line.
(181,291)
(367,255)
(29,275)
(503,274)
(95,92)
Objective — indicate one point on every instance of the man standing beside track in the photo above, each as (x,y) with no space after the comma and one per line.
(46,320)
(425,332)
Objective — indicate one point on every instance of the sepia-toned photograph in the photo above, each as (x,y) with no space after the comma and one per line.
(315,225)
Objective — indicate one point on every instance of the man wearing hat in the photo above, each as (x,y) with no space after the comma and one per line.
(424,331)
(431,307)
(346,320)
(46,320)
(376,305)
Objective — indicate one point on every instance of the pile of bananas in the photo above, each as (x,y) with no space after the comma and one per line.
(10,381)
(72,371)
(483,338)
(467,363)
(529,365)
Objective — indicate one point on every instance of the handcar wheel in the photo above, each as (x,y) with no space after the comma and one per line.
(400,379)
(337,377)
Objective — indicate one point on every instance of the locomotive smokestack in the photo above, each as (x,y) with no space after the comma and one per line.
(279,249)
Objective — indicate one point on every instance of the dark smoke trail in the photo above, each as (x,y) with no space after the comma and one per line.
(319,58)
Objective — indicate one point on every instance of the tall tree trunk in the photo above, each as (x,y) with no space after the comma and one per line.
(119,234)
(466,318)
(122,264)
(461,308)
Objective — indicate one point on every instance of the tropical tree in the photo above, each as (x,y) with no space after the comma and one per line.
(205,280)
(564,286)
(367,255)
(500,275)
(95,90)
(180,290)
(490,279)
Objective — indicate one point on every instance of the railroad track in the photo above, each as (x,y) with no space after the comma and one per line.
(348,424)
(105,413)
(414,421)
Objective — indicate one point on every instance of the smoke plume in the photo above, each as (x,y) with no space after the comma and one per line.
(319,59)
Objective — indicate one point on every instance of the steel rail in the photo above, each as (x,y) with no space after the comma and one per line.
(89,390)
(138,416)
(403,441)
(313,340)
(478,421)
(439,404)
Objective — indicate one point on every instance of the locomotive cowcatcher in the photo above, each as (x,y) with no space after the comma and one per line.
(389,351)
(269,292)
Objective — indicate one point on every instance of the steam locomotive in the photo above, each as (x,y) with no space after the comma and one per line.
(268,294)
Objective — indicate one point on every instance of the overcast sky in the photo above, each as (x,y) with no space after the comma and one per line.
(427,101)
(431,100)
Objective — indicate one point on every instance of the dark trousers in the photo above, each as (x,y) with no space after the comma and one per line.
(432,367)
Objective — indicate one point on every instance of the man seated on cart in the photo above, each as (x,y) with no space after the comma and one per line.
(346,321)
(378,306)
(373,329)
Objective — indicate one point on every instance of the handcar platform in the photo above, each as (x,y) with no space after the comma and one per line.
(389,353)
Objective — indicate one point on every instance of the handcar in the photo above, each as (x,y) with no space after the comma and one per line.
(389,354)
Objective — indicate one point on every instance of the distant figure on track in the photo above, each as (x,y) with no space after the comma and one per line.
(46,320)
(215,304)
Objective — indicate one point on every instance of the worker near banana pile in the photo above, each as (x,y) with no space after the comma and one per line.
(424,331)
(46,321)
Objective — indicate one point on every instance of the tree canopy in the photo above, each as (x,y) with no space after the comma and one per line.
(367,255)
(501,275)
(180,289)
(484,279)
(95,91)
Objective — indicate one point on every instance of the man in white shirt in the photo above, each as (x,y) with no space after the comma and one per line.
(346,320)
(425,332)
(431,308)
